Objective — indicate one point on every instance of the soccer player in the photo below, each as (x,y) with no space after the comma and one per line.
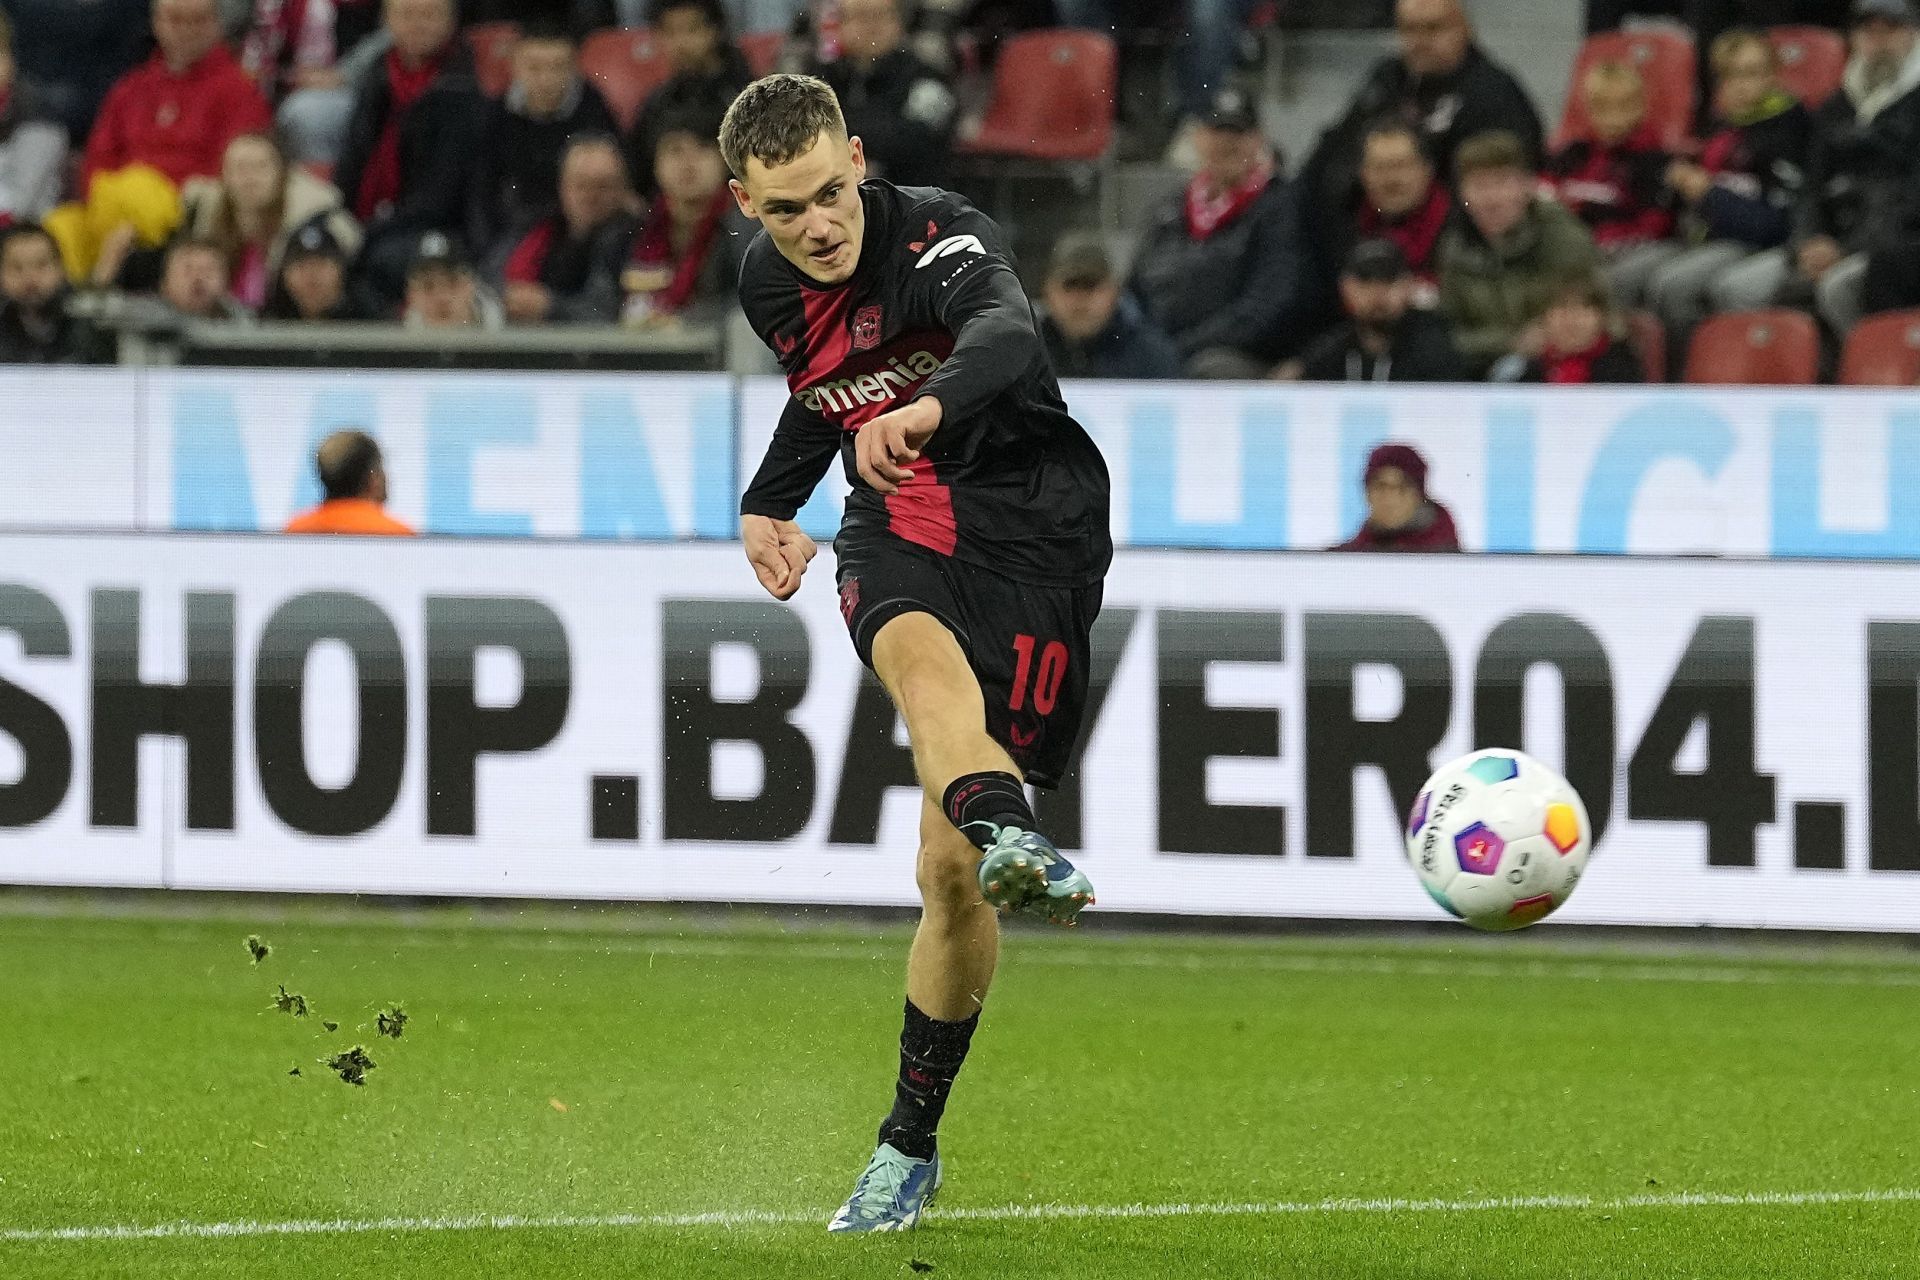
(970,558)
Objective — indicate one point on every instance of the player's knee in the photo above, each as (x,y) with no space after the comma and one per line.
(947,874)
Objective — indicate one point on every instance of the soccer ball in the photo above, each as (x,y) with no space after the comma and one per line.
(1498,839)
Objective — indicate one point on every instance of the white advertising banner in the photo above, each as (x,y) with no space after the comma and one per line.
(630,722)
(1814,472)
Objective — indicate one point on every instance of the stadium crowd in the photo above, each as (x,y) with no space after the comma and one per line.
(323,160)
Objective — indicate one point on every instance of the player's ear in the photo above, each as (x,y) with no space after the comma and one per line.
(859,160)
(741,198)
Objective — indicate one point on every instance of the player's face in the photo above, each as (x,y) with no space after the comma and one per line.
(1392,500)
(811,206)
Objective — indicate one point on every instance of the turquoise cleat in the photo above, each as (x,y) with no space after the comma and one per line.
(1023,872)
(891,1195)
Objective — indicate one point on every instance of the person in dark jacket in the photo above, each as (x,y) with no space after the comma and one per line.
(1384,339)
(75,52)
(708,73)
(1738,196)
(1400,515)
(897,105)
(1219,269)
(1399,198)
(413,146)
(1581,342)
(1863,161)
(529,127)
(311,284)
(1092,329)
(1615,180)
(566,268)
(1442,83)
(35,327)
(684,267)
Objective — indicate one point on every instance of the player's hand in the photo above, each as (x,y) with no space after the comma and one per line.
(885,446)
(779,553)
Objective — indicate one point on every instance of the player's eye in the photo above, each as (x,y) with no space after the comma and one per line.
(830,196)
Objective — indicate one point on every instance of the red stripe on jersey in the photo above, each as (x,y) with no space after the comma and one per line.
(922,512)
(828,340)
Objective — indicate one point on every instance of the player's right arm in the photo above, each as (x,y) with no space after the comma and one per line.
(803,447)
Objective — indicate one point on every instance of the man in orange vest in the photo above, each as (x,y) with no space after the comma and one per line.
(354,478)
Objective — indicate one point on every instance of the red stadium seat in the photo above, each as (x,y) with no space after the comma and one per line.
(1772,348)
(762,50)
(1665,60)
(1053,98)
(1648,338)
(625,65)
(1883,351)
(492,44)
(1812,60)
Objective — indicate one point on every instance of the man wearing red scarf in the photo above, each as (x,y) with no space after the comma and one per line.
(1402,200)
(687,254)
(1219,270)
(566,270)
(178,110)
(412,144)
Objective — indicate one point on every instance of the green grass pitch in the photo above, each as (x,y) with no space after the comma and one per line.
(611,1093)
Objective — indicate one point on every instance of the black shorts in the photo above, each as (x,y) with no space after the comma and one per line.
(1029,646)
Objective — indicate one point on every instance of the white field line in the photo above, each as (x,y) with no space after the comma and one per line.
(1121,956)
(739,1219)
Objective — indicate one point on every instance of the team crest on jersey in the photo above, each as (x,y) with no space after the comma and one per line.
(866,328)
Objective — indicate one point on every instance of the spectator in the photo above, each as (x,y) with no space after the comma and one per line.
(353,478)
(1400,515)
(35,326)
(1861,164)
(546,104)
(311,284)
(177,111)
(1442,84)
(1218,270)
(1499,264)
(74,52)
(1384,339)
(442,292)
(685,262)
(253,210)
(897,105)
(410,158)
(708,72)
(1737,197)
(1581,341)
(1212,30)
(1092,329)
(193,281)
(1615,180)
(306,55)
(1400,199)
(566,269)
(33,148)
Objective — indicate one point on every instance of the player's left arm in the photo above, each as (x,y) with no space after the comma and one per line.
(964,283)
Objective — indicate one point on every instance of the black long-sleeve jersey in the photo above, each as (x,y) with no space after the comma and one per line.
(1009,481)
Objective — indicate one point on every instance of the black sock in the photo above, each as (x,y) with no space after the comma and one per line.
(930,1056)
(976,803)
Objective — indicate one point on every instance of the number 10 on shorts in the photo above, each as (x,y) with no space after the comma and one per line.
(1046,682)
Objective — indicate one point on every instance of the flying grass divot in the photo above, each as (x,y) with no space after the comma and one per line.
(352,1066)
(291,1003)
(257,949)
(391,1023)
